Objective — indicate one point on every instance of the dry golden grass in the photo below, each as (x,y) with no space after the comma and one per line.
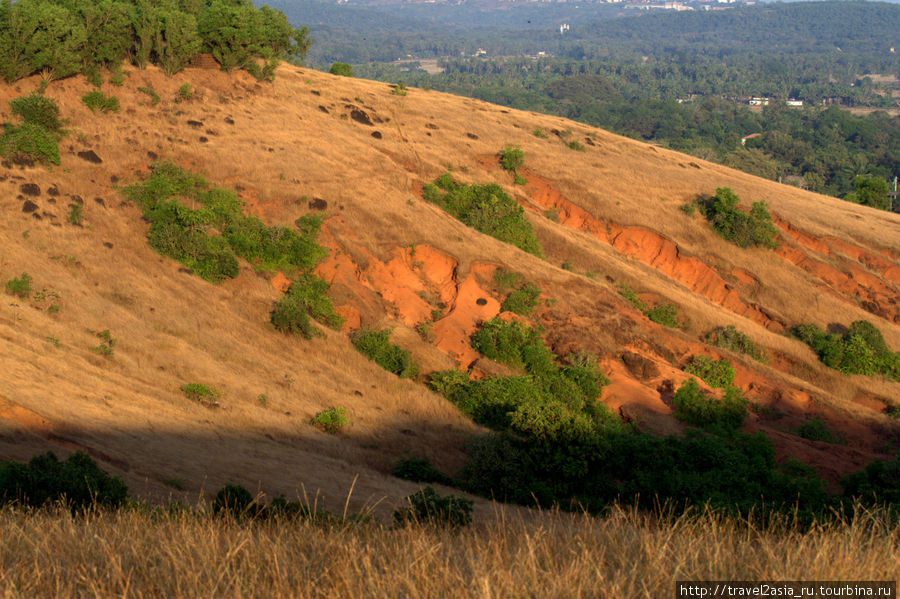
(133,553)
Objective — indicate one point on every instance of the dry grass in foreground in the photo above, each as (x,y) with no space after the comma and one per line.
(135,553)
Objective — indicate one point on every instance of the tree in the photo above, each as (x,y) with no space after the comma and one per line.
(870,191)
(341,68)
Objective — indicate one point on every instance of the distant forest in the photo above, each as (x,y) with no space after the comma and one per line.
(680,79)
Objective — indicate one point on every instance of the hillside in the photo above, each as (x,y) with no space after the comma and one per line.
(315,142)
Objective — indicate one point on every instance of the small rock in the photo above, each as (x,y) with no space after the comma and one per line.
(29,207)
(318,204)
(90,156)
(30,189)
(376,134)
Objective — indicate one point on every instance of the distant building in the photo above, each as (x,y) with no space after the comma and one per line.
(758,101)
(795,103)
(563,28)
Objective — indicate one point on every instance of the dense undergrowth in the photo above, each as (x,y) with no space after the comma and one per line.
(486,208)
(554,443)
(36,137)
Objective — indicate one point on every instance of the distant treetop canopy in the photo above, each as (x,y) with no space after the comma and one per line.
(60,38)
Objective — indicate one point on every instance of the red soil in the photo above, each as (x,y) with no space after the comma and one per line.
(650,248)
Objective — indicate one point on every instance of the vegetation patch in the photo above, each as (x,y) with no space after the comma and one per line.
(306,297)
(331,420)
(486,208)
(20,286)
(341,68)
(209,237)
(97,101)
(694,407)
(420,470)
(107,343)
(730,338)
(815,430)
(59,39)
(716,373)
(77,481)
(741,228)
(201,393)
(860,350)
(376,345)
(428,507)
(512,159)
(521,296)
(36,138)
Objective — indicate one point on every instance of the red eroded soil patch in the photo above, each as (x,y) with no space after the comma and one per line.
(650,248)
(411,285)
(281,282)
(473,306)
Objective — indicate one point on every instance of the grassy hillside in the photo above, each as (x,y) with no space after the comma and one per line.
(607,213)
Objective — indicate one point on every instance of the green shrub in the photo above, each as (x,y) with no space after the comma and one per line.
(341,68)
(330,420)
(420,470)
(37,109)
(208,239)
(522,300)
(306,297)
(626,292)
(730,338)
(512,158)
(77,480)
(76,214)
(399,90)
(539,132)
(185,92)
(815,430)
(741,228)
(117,76)
(486,208)
(552,214)
(877,483)
(666,315)
(575,145)
(150,93)
(20,286)
(107,343)
(97,101)
(717,374)
(29,140)
(427,506)
(514,343)
(694,407)
(860,350)
(377,347)
(507,280)
(236,501)
(201,393)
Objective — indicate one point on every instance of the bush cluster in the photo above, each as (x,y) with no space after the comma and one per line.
(427,506)
(730,338)
(549,401)
(20,286)
(306,297)
(98,101)
(512,159)
(860,350)
(486,208)
(741,228)
(59,38)
(716,373)
(331,420)
(77,481)
(522,298)
(210,238)
(376,345)
(237,502)
(694,407)
(420,470)
(36,138)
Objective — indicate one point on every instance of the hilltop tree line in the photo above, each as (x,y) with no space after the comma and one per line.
(60,38)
